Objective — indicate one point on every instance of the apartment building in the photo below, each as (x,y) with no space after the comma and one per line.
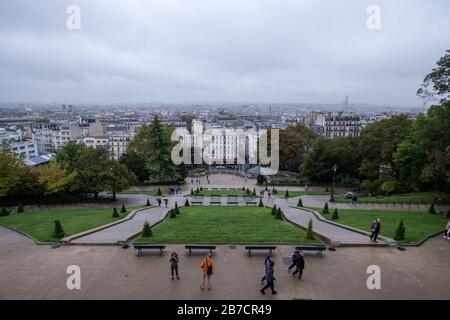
(342,126)
(26,149)
(93,142)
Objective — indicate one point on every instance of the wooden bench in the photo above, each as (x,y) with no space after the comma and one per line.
(250,248)
(215,202)
(196,202)
(232,202)
(319,249)
(140,247)
(251,203)
(200,247)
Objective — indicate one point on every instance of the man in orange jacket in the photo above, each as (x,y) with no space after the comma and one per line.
(207,267)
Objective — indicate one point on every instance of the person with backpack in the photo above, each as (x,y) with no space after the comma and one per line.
(300,265)
(174,264)
(207,267)
(159,202)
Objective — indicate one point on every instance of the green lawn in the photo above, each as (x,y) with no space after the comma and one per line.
(292,194)
(418,225)
(40,224)
(223,193)
(408,198)
(226,225)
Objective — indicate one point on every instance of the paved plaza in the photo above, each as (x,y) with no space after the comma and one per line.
(29,271)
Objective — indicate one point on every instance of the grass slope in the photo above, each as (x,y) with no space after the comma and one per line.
(418,225)
(40,224)
(408,198)
(224,225)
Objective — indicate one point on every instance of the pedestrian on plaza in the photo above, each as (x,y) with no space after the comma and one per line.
(166,202)
(269,277)
(207,267)
(376,227)
(447,231)
(267,263)
(159,202)
(300,264)
(294,259)
(174,264)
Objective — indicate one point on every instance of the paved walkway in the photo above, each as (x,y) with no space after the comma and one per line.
(8,236)
(121,232)
(337,235)
(39,272)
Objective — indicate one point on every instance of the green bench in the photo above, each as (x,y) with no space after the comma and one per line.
(200,247)
(250,248)
(140,247)
(319,249)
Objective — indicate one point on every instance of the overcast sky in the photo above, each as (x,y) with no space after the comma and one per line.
(131,51)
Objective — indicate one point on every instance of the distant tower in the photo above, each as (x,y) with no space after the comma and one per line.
(346,102)
(270,109)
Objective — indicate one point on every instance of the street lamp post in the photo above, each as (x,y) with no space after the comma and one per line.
(334,179)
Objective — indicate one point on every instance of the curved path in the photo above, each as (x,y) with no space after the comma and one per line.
(121,232)
(339,236)
(8,236)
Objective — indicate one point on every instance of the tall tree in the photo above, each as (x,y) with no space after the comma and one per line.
(10,168)
(437,83)
(119,178)
(69,154)
(53,179)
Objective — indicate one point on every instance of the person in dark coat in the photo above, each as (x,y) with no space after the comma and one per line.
(267,262)
(270,279)
(294,258)
(376,227)
(159,202)
(300,265)
(174,264)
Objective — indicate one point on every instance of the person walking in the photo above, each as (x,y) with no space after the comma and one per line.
(269,277)
(159,202)
(376,227)
(447,231)
(267,263)
(207,267)
(300,265)
(295,257)
(166,202)
(174,264)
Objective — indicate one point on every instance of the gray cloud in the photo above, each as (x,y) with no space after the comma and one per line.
(196,50)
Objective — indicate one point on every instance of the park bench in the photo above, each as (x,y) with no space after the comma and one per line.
(251,203)
(196,202)
(200,247)
(215,202)
(250,248)
(233,202)
(140,247)
(319,249)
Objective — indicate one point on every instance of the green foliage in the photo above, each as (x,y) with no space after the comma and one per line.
(176,210)
(327,189)
(159,193)
(147,230)
(115,213)
(400,232)
(279,214)
(58,232)
(335,215)
(286,195)
(309,231)
(123,210)
(148,204)
(4,212)
(172,214)
(261,204)
(274,209)
(325,209)
(300,202)
(389,187)
(186,203)
(192,191)
(371,187)
(20,208)
(10,168)
(437,82)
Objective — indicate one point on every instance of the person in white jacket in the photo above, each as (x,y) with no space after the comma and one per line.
(447,231)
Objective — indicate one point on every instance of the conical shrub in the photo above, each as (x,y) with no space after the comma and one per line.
(432,210)
(261,204)
(335,215)
(115,213)
(123,210)
(177,210)
(400,232)
(279,214)
(146,230)
(274,209)
(186,203)
(173,214)
(148,203)
(20,208)
(300,202)
(286,195)
(309,231)
(4,212)
(58,231)
(325,209)
(159,193)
